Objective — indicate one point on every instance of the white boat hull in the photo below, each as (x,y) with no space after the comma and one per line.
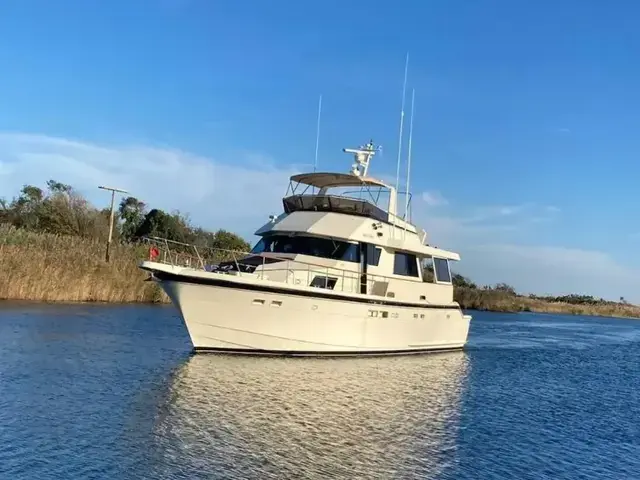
(243,319)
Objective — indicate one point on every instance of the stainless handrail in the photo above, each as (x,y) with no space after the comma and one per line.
(199,258)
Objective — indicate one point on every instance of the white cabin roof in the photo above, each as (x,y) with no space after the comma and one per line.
(328,179)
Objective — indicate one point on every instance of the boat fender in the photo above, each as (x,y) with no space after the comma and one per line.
(153,253)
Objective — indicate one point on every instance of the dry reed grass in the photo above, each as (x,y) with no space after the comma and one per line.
(56,268)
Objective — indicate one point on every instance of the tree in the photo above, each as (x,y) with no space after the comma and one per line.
(503,287)
(30,195)
(61,210)
(5,212)
(58,210)
(66,212)
(57,187)
(25,210)
(460,281)
(132,214)
(158,223)
(225,240)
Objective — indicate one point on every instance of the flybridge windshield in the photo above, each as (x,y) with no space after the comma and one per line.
(376,195)
(314,246)
(363,201)
(368,190)
(329,203)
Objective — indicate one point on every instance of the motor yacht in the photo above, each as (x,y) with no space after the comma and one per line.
(338,272)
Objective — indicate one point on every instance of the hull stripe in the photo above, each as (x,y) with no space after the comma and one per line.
(295,353)
(215,282)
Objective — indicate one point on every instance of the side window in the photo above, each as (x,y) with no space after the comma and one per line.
(441,268)
(405,264)
(427,270)
(373,255)
(323,282)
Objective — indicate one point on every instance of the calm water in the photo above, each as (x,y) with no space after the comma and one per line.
(112,392)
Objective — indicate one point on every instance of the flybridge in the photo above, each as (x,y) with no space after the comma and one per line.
(365,200)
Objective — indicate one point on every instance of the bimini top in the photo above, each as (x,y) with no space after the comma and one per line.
(327,179)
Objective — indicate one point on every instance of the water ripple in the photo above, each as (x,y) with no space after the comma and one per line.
(111,392)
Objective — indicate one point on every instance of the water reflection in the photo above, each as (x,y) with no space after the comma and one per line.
(237,417)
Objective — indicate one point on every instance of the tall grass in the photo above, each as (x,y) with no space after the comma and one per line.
(57,268)
(500,301)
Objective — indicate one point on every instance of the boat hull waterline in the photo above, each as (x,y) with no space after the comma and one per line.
(224,315)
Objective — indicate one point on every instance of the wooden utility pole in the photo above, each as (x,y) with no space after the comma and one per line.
(113,197)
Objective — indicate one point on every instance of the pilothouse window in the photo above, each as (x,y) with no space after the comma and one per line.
(405,264)
(436,270)
(441,267)
(427,270)
(314,246)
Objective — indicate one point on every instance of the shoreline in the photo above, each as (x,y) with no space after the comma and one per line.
(491,300)
(49,268)
(547,308)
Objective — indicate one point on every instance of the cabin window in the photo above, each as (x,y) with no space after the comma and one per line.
(373,255)
(323,282)
(441,268)
(314,246)
(427,270)
(405,264)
